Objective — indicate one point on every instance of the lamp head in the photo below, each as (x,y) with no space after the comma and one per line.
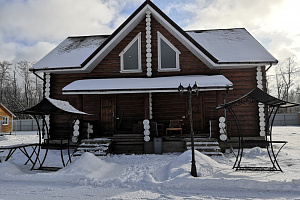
(195,88)
(180,89)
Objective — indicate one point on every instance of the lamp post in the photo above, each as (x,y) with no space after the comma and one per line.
(190,91)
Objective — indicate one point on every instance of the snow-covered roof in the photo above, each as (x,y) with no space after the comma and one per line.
(232,46)
(73,52)
(218,49)
(144,85)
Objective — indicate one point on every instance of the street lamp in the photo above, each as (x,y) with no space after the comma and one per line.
(190,91)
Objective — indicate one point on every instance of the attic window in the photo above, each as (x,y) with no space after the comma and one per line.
(168,55)
(4,120)
(131,56)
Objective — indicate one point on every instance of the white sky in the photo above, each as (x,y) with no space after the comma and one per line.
(29,29)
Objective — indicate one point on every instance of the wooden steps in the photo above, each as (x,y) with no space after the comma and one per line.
(128,143)
(207,146)
(96,146)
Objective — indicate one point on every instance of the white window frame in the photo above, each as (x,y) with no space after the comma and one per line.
(177,67)
(5,120)
(139,69)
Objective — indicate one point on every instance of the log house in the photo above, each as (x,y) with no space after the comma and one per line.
(123,78)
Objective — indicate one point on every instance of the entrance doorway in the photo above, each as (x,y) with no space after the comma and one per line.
(198,114)
(108,111)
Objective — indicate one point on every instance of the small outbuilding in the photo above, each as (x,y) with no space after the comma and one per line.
(6,119)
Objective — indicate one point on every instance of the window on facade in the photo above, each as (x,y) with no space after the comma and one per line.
(4,120)
(131,56)
(168,54)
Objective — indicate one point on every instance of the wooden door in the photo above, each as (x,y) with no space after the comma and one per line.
(108,111)
(198,115)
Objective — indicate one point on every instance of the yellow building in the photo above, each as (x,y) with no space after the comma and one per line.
(6,119)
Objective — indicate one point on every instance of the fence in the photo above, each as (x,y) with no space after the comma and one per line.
(287,119)
(25,125)
(280,120)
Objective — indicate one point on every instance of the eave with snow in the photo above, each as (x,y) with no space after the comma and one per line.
(146,85)
(134,73)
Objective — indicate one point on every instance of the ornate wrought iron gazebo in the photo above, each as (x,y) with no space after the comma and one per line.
(257,96)
(46,107)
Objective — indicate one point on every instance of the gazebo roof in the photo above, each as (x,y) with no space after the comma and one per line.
(260,96)
(52,106)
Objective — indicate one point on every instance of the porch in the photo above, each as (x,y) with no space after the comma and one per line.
(143,138)
(135,144)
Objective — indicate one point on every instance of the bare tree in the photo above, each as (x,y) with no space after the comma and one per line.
(19,88)
(4,76)
(285,78)
(288,73)
(23,67)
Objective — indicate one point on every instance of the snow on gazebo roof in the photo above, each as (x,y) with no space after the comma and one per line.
(259,96)
(52,106)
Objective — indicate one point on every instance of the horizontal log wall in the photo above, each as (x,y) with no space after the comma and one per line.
(130,110)
(168,106)
(165,106)
(244,80)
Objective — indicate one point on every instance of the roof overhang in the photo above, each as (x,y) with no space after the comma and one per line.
(146,85)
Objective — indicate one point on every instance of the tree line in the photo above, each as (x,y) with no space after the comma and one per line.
(19,88)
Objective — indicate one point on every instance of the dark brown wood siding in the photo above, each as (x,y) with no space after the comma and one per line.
(131,108)
(244,80)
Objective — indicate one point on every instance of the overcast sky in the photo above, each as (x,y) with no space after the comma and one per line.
(29,29)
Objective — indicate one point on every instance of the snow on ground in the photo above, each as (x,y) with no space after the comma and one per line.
(152,176)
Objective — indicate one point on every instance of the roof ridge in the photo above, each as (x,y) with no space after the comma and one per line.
(205,30)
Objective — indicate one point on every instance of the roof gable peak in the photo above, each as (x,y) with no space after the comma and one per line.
(193,40)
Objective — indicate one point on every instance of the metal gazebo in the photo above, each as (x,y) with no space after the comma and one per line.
(271,103)
(46,107)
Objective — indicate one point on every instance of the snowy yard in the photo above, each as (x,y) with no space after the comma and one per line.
(153,176)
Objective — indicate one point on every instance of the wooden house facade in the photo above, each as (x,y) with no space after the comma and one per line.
(6,119)
(133,74)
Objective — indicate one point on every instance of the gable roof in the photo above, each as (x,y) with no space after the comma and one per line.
(206,45)
(72,53)
(232,46)
(6,109)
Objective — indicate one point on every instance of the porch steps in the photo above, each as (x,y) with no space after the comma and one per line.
(207,146)
(128,143)
(96,146)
